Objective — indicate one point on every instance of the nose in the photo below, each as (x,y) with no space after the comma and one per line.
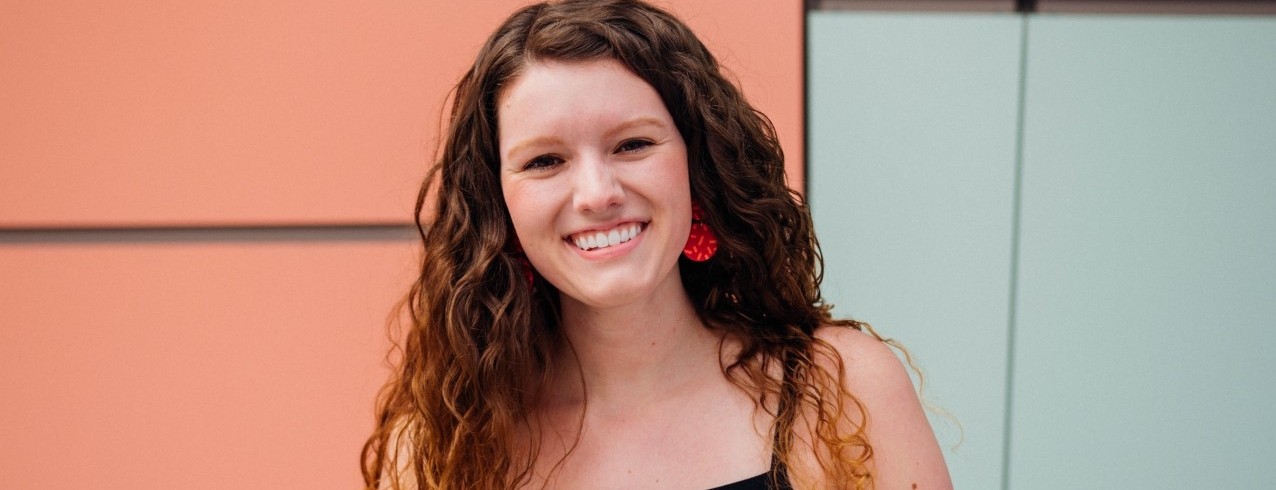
(596,186)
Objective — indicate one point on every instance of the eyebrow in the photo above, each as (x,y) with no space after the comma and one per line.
(539,141)
(635,122)
(620,128)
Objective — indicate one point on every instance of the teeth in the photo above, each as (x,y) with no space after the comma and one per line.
(610,238)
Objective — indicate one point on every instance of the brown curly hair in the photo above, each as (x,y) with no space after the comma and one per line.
(478,350)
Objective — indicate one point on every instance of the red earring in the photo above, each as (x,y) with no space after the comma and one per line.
(702,243)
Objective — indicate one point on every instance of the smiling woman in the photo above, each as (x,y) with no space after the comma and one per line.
(593,157)
(569,330)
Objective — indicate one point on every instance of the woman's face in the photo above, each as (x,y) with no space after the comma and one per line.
(594,173)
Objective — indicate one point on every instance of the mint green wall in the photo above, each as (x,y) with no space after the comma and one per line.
(912,160)
(1119,295)
(1147,274)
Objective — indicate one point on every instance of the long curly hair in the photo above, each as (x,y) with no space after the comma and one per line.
(477,351)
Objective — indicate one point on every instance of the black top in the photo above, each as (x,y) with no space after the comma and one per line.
(760,482)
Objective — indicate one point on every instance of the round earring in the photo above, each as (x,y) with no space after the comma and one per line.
(702,243)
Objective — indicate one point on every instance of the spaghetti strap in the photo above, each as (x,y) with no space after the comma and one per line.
(761,482)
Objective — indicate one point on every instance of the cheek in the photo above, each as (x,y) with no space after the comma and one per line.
(675,179)
(525,205)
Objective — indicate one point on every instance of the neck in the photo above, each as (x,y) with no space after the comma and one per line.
(633,353)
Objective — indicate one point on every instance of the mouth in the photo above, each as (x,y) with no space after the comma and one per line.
(599,239)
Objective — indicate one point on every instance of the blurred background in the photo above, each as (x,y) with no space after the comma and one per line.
(1065,209)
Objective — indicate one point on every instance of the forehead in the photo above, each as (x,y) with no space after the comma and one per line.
(553,95)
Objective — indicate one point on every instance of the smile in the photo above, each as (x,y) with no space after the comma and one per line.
(593,240)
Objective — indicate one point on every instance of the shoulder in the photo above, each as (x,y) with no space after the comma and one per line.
(877,378)
(905,451)
(396,470)
(853,343)
(869,363)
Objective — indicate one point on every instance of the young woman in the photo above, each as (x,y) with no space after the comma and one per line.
(619,291)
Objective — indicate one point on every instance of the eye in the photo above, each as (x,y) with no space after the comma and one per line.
(632,146)
(542,162)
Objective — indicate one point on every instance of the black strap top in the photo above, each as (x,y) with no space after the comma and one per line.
(760,482)
(763,481)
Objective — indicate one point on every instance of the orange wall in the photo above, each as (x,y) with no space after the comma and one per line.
(209,350)
(208,112)
(208,364)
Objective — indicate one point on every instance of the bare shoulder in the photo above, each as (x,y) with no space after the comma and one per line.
(398,456)
(905,452)
(871,366)
(855,344)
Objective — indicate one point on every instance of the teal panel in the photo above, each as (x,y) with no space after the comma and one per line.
(1147,286)
(912,154)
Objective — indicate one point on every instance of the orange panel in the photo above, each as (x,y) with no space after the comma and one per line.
(196,365)
(209,113)
(760,42)
(249,361)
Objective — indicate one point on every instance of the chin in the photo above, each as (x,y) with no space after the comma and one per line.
(610,291)
(604,298)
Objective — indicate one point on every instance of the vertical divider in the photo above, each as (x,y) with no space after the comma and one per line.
(1016,213)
